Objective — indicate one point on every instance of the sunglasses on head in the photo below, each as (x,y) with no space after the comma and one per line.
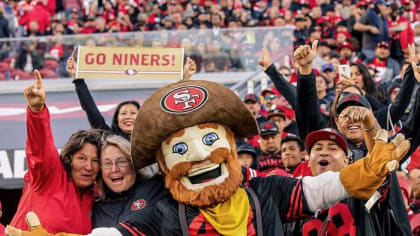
(270,97)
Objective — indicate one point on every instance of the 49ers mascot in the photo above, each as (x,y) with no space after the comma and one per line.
(189,128)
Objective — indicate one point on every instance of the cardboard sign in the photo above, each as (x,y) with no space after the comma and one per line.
(129,63)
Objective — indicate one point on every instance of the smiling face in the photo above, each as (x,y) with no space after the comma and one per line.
(200,164)
(126,117)
(291,154)
(351,131)
(326,155)
(117,170)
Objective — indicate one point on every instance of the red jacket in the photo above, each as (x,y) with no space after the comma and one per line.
(48,191)
(406,36)
(2,230)
(39,14)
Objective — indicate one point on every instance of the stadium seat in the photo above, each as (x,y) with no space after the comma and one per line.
(48,73)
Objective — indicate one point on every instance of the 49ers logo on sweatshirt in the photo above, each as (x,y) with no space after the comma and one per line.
(184,99)
(138,204)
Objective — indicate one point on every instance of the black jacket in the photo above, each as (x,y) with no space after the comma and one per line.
(96,120)
(4,27)
(310,118)
(118,207)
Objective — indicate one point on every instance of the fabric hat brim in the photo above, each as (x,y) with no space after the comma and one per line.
(161,115)
(315,136)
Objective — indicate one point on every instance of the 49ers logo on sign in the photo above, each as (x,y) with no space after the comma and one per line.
(138,204)
(184,99)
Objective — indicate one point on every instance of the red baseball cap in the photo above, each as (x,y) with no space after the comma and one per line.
(272,90)
(346,45)
(325,134)
(360,3)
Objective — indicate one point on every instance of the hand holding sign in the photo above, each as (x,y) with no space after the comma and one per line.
(35,93)
(71,67)
(190,68)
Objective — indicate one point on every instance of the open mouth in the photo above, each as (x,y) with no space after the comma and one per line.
(353,127)
(117,179)
(323,163)
(128,123)
(206,174)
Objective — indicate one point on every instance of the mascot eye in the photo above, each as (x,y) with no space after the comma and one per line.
(210,138)
(180,148)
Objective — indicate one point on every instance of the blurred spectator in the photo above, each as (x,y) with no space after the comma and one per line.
(285,71)
(301,33)
(33,29)
(387,67)
(374,26)
(329,74)
(216,60)
(71,6)
(268,154)
(29,58)
(89,26)
(100,25)
(325,98)
(38,14)
(347,53)
(361,77)
(323,51)
(314,34)
(4,25)
(247,156)
(400,27)
(271,98)
(252,102)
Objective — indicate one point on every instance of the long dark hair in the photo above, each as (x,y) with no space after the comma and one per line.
(369,84)
(115,128)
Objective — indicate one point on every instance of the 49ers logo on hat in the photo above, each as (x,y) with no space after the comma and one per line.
(138,204)
(184,99)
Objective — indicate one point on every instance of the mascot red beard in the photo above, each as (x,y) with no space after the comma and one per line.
(210,174)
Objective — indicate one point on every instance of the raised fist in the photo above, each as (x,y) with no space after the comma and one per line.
(304,55)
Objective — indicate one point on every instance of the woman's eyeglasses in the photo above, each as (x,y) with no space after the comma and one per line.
(120,163)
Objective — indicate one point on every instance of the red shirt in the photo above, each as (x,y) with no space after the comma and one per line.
(2,230)
(39,14)
(406,36)
(48,191)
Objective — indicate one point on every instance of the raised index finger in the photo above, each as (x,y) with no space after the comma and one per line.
(314,46)
(38,77)
(265,52)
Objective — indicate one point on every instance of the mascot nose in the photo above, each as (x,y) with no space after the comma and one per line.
(198,153)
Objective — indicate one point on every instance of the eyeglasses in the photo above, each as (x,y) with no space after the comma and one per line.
(270,97)
(120,163)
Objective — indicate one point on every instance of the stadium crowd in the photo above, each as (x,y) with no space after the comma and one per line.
(354,71)
(335,22)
